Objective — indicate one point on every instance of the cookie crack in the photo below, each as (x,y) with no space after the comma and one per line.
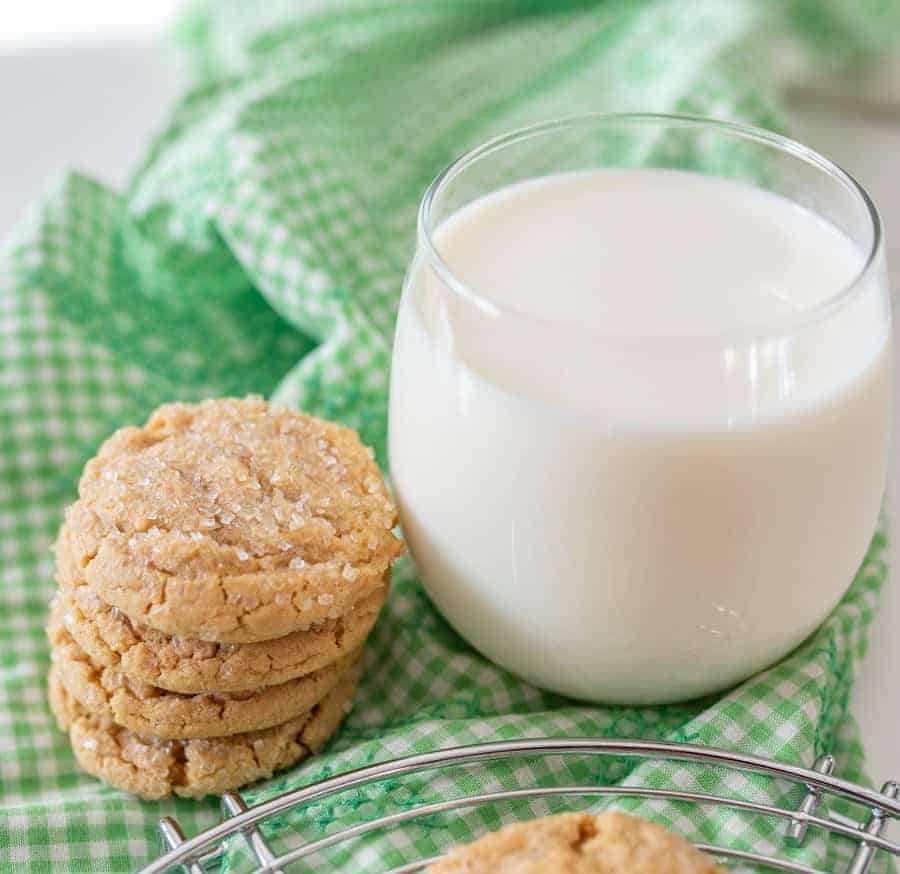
(220,704)
(338,632)
(88,559)
(587,829)
(177,771)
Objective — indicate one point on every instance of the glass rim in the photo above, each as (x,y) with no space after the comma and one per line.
(778,326)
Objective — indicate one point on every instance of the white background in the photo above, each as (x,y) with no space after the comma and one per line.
(85,85)
(30,23)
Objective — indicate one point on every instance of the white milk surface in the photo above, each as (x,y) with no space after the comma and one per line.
(638,469)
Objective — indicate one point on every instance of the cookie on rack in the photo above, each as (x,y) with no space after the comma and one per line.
(153,768)
(578,843)
(190,666)
(231,521)
(149,710)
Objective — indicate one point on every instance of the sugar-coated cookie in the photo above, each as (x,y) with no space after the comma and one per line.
(231,521)
(154,768)
(149,710)
(182,664)
(578,843)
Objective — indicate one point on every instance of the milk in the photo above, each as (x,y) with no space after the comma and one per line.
(634,463)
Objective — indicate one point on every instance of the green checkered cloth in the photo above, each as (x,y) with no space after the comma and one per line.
(260,248)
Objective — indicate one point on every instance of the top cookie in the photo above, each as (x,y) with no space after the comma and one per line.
(231,521)
(578,843)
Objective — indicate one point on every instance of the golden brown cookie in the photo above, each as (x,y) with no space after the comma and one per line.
(189,666)
(154,768)
(578,843)
(230,520)
(149,710)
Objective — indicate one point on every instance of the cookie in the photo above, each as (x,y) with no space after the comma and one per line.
(152,768)
(149,710)
(230,521)
(579,843)
(190,666)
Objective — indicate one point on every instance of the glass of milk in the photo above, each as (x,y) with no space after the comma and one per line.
(640,411)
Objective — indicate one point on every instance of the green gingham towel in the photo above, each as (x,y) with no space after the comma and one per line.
(260,248)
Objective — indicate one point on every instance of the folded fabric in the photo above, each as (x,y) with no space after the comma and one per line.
(260,248)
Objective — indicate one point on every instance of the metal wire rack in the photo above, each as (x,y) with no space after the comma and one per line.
(865,834)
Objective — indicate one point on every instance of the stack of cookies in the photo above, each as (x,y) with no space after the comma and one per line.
(219,574)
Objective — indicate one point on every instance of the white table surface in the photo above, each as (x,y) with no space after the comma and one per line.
(93,107)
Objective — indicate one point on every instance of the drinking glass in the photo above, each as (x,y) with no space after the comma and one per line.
(617,555)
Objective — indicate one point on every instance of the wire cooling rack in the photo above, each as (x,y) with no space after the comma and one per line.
(865,834)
